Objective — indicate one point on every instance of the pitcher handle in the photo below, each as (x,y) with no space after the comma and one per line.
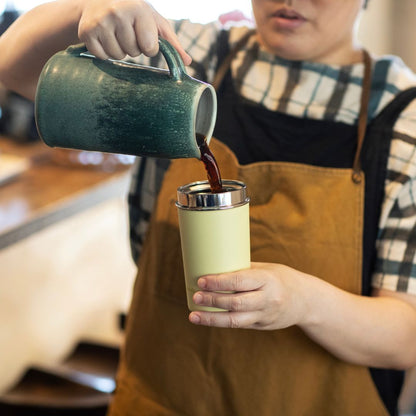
(172,57)
(77,49)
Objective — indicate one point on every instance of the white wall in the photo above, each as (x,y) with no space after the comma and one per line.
(376,26)
(404,30)
(388,27)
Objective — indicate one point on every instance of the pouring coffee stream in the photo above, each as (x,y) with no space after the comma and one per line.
(211,165)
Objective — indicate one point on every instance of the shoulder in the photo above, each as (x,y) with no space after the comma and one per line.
(398,216)
(391,74)
(201,41)
(391,77)
(401,168)
(193,35)
(196,37)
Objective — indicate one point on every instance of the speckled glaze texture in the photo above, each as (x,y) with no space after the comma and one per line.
(86,103)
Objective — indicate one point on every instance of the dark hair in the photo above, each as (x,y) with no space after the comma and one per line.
(366,4)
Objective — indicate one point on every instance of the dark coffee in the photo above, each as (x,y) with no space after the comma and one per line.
(211,166)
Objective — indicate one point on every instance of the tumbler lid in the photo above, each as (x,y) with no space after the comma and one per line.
(198,196)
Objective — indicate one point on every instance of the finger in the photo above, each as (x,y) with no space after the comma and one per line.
(111,46)
(240,281)
(165,30)
(94,46)
(126,37)
(236,302)
(146,31)
(224,319)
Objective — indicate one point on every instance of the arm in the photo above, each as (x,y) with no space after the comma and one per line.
(374,331)
(377,331)
(110,28)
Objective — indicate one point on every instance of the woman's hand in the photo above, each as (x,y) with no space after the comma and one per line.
(266,296)
(373,331)
(116,28)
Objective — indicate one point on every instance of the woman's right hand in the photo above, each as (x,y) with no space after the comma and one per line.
(116,28)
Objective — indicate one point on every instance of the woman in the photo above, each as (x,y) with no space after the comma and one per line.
(323,135)
(293,113)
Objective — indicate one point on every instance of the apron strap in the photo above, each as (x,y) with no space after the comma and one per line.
(225,65)
(363,117)
(364,101)
(391,112)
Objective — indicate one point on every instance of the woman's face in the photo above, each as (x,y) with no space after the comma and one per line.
(313,30)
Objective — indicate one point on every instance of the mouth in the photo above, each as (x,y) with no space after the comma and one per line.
(288,14)
(287,19)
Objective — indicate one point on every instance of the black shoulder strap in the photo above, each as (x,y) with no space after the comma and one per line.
(223,48)
(225,55)
(392,110)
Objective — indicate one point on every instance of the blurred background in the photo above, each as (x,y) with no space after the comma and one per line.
(65,269)
(387,26)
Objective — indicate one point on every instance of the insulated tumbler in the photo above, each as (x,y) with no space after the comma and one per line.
(215,232)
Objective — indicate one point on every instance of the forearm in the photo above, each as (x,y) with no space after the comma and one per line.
(32,39)
(109,29)
(371,331)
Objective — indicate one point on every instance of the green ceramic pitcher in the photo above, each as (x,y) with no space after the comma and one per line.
(86,103)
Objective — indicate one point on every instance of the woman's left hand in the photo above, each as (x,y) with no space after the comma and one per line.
(376,331)
(266,296)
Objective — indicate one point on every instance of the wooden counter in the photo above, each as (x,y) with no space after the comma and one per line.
(66,271)
(49,191)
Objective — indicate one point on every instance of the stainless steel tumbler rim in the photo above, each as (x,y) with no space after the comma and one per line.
(198,196)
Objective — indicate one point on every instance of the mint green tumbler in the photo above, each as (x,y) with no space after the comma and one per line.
(215,232)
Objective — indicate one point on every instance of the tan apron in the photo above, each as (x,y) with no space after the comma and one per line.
(307,217)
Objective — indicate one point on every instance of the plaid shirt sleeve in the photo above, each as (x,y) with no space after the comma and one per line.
(396,245)
(145,184)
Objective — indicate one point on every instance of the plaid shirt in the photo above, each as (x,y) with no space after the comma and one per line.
(316,91)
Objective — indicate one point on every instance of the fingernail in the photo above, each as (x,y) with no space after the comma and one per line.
(202,283)
(188,60)
(198,298)
(194,318)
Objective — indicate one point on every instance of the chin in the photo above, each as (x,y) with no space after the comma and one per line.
(292,51)
(291,54)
